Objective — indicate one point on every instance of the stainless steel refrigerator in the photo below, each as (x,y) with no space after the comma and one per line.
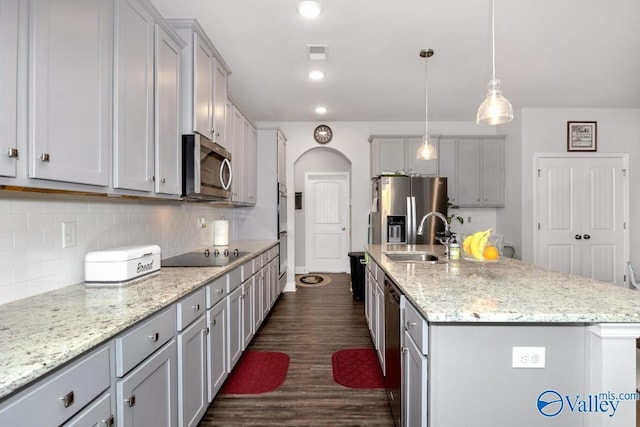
(400,202)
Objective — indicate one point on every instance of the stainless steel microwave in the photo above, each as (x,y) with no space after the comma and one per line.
(206,170)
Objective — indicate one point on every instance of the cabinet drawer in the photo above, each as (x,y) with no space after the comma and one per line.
(57,398)
(258,262)
(190,307)
(416,326)
(139,342)
(234,279)
(266,257)
(247,270)
(98,413)
(216,290)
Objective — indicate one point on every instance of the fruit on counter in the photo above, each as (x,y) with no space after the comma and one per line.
(476,243)
(491,253)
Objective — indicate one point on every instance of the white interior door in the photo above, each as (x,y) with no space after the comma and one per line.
(581,215)
(327,222)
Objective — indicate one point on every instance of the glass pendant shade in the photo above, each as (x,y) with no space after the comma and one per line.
(427,150)
(495,109)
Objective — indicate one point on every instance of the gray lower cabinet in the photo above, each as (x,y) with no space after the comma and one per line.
(147,396)
(192,358)
(98,413)
(414,332)
(146,367)
(57,398)
(258,290)
(247,311)
(234,326)
(217,348)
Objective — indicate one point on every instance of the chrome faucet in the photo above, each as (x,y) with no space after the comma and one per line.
(447,230)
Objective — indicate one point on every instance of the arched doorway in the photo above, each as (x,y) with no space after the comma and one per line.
(314,163)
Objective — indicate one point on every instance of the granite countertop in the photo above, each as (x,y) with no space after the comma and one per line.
(41,333)
(505,291)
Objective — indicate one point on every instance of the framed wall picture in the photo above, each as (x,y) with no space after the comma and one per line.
(582,136)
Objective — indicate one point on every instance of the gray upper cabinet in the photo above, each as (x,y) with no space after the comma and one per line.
(475,168)
(134,118)
(168,166)
(204,79)
(9,10)
(70,90)
(147,94)
(397,153)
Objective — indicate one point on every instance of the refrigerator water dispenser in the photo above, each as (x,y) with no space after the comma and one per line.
(396,229)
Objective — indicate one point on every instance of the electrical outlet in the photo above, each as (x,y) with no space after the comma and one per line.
(468,220)
(68,234)
(528,357)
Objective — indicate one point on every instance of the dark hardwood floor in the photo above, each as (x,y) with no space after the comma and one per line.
(309,325)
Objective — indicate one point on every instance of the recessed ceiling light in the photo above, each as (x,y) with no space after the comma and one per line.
(316,75)
(321,110)
(309,9)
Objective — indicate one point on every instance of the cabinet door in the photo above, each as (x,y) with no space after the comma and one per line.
(217,348)
(8,86)
(203,69)
(147,396)
(282,160)
(414,380)
(258,284)
(469,172)
(247,311)
(70,90)
(423,167)
(234,324)
(368,295)
(168,165)
(237,185)
(268,279)
(493,169)
(249,161)
(228,126)
(387,155)
(219,102)
(133,130)
(380,346)
(448,166)
(192,373)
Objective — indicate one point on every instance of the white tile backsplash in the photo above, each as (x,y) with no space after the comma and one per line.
(32,259)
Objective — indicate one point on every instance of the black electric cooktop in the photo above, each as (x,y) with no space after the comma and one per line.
(207,258)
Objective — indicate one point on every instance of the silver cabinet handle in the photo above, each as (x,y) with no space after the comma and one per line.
(152,178)
(411,325)
(131,400)
(155,337)
(196,307)
(109,421)
(213,322)
(220,290)
(163,180)
(68,399)
(13,153)
(44,157)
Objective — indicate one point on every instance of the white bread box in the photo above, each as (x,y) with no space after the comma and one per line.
(121,265)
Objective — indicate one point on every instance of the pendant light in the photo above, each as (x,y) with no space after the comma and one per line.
(427,150)
(495,109)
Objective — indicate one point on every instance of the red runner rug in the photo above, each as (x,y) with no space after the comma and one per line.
(357,368)
(257,372)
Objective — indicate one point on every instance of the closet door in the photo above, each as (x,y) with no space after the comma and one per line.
(581,216)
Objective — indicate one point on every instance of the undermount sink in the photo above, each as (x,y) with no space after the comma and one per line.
(421,257)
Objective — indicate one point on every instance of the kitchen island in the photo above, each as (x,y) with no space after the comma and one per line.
(477,312)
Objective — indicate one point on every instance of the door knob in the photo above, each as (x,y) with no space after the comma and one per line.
(578,237)
(586,237)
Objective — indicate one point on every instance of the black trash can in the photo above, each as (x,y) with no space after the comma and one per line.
(357,275)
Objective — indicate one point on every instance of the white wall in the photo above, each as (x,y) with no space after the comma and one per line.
(545,131)
(32,260)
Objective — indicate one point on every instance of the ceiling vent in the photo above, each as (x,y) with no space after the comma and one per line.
(317,52)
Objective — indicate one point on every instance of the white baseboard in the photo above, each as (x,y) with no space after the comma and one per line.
(302,270)
(290,287)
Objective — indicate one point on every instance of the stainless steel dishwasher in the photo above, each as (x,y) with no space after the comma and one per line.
(392,380)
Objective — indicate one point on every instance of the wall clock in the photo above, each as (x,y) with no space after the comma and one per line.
(322,134)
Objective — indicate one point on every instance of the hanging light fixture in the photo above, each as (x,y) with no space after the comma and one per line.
(495,109)
(427,150)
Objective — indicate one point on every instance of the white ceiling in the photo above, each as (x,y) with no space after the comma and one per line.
(549,53)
